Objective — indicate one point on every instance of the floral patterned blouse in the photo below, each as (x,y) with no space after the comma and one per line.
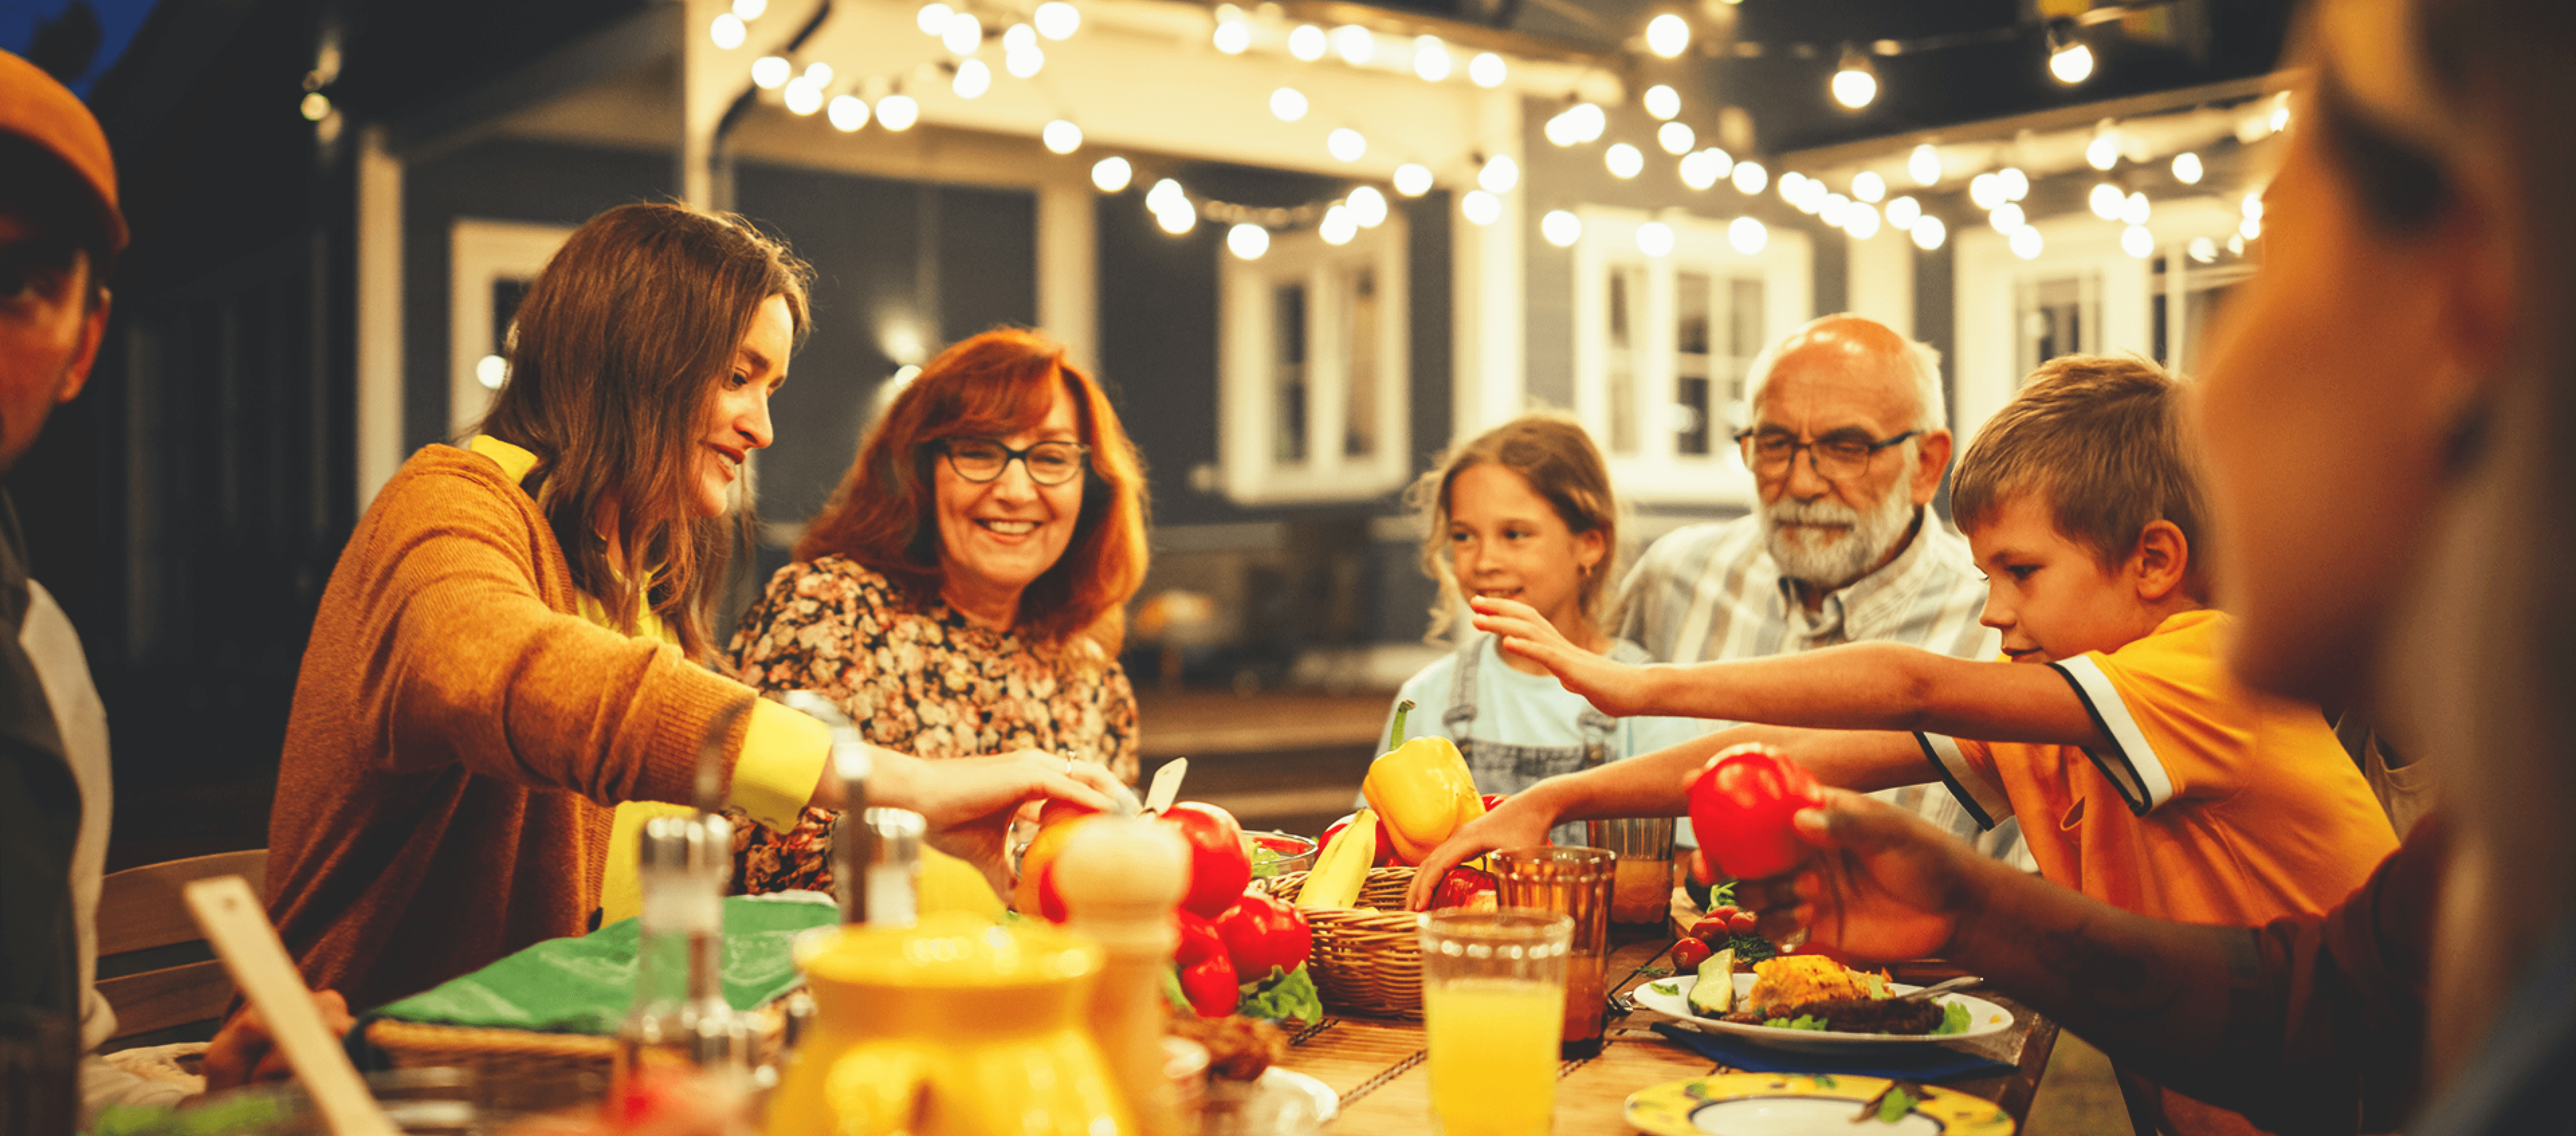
(917,679)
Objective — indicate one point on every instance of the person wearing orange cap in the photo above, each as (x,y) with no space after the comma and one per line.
(60,234)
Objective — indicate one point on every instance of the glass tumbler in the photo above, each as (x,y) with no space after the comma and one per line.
(1575,883)
(1642,890)
(1493,1002)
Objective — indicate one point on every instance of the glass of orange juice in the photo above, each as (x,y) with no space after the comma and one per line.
(1493,1005)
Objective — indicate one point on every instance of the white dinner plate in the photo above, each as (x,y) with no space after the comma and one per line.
(1672,996)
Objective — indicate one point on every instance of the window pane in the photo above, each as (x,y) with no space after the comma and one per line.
(2056,316)
(1691,314)
(1288,368)
(506,294)
(1743,341)
(1360,333)
(1627,286)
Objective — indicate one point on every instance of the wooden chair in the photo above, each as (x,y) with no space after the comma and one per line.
(141,910)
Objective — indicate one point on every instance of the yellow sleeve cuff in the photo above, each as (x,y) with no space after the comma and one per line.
(783,753)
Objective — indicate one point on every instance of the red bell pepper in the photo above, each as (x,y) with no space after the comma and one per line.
(1740,809)
(1219,867)
(1210,986)
(1461,885)
(1261,932)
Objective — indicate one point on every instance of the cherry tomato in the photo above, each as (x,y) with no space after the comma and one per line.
(1689,953)
(1199,940)
(1740,809)
(1219,868)
(1741,923)
(1261,932)
(1710,928)
(1210,986)
(1725,911)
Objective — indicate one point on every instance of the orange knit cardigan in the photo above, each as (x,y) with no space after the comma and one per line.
(457,735)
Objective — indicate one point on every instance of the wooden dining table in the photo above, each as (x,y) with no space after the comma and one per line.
(1381,1070)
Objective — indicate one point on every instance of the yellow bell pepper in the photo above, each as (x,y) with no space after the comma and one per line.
(1422,790)
(1342,868)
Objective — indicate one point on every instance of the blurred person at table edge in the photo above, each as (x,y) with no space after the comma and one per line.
(60,234)
(512,639)
(964,591)
(2391,471)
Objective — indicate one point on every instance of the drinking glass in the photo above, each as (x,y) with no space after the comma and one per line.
(1575,883)
(1641,890)
(1493,1003)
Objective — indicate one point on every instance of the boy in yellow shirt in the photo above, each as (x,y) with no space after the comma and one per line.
(2142,773)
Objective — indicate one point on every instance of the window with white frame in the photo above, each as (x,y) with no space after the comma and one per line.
(1313,347)
(1662,343)
(491,264)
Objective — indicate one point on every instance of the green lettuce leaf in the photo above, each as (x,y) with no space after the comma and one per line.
(1281,997)
(1954,1018)
(1179,998)
(1894,1106)
(1801,1022)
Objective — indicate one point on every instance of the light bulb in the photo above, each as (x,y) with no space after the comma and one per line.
(2186,168)
(2016,184)
(963,34)
(1662,101)
(750,9)
(1057,20)
(1178,220)
(1750,177)
(1624,160)
(1561,129)
(1986,191)
(2236,244)
(933,18)
(2106,200)
(2006,218)
(2103,152)
(1929,232)
(1655,238)
(1062,136)
(1247,242)
(1232,36)
(1868,186)
(804,97)
(1904,212)
(492,370)
(1561,228)
(2138,242)
(1430,58)
(1668,35)
(1413,179)
(1023,62)
(1337,227)
(1288,103)
(2252,206)
(1019,37)
(1924,164)
(2250,228)
(1699,169)
(771,72)
(1112,174)
(1861,220)
(2204,250)
(2134,210)
(1480,207)
(1793,187)
(1345,144)
(2071,65)
(1367,206)
(727,31)
(898,112)
(1307,42)
(1500,174)
(2027,243)
(1832,209)
(818,73)
(848,112)
(1487,70)
(1355,43)
(1676,137)
(973,79)
(1591,120)
(2280,118)
(1166,194)
(1746,235)
(1719,161)
(1855,87)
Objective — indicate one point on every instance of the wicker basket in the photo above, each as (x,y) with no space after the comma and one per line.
(561,1067)
(1365,962)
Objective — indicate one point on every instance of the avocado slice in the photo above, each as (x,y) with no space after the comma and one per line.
(1714,994)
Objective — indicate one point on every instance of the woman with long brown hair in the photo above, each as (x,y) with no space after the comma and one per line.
(963,592)
(514,637)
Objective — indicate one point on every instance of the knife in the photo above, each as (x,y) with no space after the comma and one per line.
(1167,786)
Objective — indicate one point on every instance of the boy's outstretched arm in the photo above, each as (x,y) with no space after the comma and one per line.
(1858,686)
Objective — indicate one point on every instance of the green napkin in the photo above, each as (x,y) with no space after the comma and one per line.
(585,984)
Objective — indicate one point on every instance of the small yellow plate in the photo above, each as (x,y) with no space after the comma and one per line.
(1762,1104)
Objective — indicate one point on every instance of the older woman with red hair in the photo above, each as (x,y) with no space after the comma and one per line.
(964,591)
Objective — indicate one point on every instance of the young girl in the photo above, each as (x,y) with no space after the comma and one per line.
(1524,512)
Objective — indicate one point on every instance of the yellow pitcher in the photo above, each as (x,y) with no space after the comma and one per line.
(956,1027)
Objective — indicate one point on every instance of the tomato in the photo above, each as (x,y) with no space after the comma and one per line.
(1199,940)
(1219,868)
(1261,932)
(1740,809)
(1385,844)
(1689,953)
(1711,927)
(1050,899)
(1210,986)
(1460,886)
(1741,923)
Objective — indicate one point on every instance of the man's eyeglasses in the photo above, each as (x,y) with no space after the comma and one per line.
(983,459)
(1836,456)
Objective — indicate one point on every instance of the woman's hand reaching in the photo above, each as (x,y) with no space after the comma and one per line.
(968,802)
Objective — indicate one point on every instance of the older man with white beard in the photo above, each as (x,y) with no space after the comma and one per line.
(1847,445)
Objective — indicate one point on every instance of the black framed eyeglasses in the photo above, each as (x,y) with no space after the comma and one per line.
(1834,457)
(983,459)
